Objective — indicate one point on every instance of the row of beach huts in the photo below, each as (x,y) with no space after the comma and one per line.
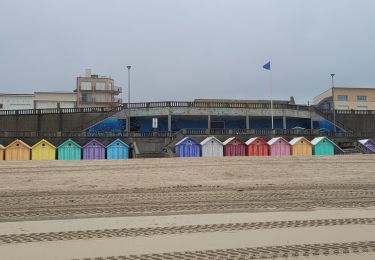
(186,147)
(256,146)
(68,150)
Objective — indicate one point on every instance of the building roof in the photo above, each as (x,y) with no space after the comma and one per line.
(20,142)
(2,147)
(251,140)
(69,141)
(230,139)
(185,139)
(297,139)
(316,140)
(209,139)
(275,139)
(43,141)
(118,141)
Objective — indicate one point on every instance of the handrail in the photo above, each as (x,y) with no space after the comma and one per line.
(264,105)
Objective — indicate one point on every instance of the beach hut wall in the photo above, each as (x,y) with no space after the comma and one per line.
(323,146)
(93,150)
(69,150)
(2,152)
(212,147)
(188,147)
(17,151)
(301,146)
(43,150)
(117,150)
(278,146)
(234,146)
(257,146)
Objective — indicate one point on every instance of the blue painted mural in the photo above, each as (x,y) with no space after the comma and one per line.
(109,125)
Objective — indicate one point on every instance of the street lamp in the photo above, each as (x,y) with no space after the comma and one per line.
(333,102)
(128,121)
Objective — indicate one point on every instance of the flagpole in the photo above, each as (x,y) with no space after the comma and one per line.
(271,98)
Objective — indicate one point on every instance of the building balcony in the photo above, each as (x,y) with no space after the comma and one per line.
(115,90)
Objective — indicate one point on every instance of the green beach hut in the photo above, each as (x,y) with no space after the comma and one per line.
(323,146)
(69,150)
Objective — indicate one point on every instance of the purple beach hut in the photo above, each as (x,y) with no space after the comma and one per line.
(94,150)
(279,147)
(369,144)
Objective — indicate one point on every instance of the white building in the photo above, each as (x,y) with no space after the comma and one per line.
(43,100)
(16,101)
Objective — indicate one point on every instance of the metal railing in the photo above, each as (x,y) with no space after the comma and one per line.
(264,105)
(186,132)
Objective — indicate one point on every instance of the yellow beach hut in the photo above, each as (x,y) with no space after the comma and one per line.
(2,149)
(17,151)
(43,150)
(301,146)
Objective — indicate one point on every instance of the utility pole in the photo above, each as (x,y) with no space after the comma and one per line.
(128,120)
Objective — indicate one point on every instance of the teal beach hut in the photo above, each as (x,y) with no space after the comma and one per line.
(117,150)
(69,150)
(323,146)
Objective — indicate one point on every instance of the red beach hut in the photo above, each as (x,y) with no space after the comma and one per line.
(234,147)
(257,146)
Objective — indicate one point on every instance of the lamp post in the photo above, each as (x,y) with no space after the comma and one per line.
(333,102)
(128,121)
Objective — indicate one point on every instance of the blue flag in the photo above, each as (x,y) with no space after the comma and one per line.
(267,66)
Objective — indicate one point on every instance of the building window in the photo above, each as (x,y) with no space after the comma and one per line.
(361,98)
(1,106)
(85,85)
(342,98)
(86,97)
(100,85)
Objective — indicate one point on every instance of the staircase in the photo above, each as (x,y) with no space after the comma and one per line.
(325,116)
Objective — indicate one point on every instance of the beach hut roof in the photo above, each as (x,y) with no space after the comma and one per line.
(316,140)
(118,141)
(251,140)
(94,141)
(364,141)
(185,139)
(209,139)
(297,139)
(2,147)
(69,141)
(230,139)
(18,141)
(44,141)
(276,139)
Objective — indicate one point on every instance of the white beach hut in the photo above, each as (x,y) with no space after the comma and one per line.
(212,147)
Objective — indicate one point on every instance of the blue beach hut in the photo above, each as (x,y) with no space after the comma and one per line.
(69,150)
(188,147)
(117,150)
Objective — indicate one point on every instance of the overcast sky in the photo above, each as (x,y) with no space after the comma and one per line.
(186,49)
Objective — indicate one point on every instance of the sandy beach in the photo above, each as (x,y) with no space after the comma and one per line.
(216,208)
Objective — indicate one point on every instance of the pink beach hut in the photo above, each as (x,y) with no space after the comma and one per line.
(278,146)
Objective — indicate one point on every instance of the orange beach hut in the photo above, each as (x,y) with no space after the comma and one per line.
(301,146)
(17,151)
